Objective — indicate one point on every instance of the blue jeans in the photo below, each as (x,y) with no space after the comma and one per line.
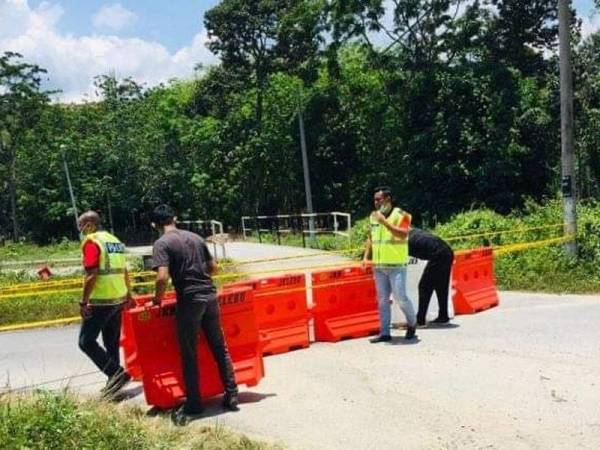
(392,280)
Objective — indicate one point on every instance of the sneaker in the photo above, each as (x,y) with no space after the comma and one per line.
(378,339)
(116,383)
(230,402)
(410,332)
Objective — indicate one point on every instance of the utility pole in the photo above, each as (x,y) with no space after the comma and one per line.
(73,204)
(568,181)
(309,205)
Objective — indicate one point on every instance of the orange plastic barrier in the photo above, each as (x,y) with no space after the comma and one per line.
(281,312)
(345,304)
(158,350)
(131,361)
(473,281)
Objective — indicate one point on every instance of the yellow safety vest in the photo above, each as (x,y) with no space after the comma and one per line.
(387,249)
(110,287)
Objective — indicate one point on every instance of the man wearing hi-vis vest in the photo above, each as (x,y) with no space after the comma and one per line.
(387,247)
(106,290)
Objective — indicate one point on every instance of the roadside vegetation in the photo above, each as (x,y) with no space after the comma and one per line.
(48,421)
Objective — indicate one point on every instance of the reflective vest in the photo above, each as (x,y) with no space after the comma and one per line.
(387,249)
(110,287)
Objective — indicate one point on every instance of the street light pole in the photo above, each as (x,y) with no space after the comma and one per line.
(73,204)
(568,181)
(309,205)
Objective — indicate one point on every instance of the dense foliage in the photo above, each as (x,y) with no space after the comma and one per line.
(454,104)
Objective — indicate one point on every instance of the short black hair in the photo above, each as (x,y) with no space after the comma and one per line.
(385,190)
(163,215)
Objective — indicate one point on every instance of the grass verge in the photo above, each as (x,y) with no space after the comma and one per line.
(48,421)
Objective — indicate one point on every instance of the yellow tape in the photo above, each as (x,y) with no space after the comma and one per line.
(45,323)
(511,248)
(73,284)
(493,233)
(497,250)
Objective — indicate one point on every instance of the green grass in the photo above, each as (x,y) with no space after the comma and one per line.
(30,252)
(58,421)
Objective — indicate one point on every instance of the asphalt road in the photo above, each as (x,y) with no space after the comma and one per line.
(522,375)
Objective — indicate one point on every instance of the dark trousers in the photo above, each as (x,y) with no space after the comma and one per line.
(436,277)
(105,320)
(191,317)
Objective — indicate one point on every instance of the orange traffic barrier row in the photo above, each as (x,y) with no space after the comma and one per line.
(271,316)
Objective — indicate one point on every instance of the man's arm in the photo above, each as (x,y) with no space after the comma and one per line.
(212,267)
(128,284)
(89,281)
(399,230)
(160,286)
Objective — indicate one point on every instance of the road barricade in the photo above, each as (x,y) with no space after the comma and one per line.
(158,350)
(345,304)
(473,281)
(281,312)
(131,361)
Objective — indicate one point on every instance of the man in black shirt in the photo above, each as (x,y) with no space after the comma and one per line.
(436,276)
(185,258)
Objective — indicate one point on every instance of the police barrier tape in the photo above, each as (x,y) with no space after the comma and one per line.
(75,281)
(74,285)
(495,233)
(497,250)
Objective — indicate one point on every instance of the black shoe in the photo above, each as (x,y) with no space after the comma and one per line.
(230,402)
(378,339)
(184,415)
(441,320)
(410,332)
(421,323)
(115,383)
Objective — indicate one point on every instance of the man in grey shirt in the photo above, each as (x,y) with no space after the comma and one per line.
(184,257)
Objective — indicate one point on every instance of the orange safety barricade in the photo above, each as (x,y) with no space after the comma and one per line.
(131,361)
(158,350)
(345,304)
(473,281)
(281,312)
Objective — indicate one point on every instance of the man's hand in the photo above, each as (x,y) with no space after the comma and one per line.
(85,310)
(378,216)
(130,301)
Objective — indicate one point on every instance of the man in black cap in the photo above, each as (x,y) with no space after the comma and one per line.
(436,276)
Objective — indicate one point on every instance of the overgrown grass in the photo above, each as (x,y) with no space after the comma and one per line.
(49,421)
(30,252)
(545,269)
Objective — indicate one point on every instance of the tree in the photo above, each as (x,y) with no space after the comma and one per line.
(259,37)
(21,102)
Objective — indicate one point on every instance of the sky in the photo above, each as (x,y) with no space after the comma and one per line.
(152,41)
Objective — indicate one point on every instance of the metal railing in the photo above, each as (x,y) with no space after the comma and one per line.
(303,224)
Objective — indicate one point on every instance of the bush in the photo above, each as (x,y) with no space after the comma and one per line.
(546,269)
